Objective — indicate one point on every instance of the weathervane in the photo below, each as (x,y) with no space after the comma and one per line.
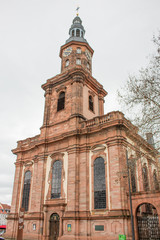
(77,11)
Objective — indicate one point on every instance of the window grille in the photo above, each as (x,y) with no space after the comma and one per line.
(26,190)
(61,101)
(99,184)
(91,103)
(56,179)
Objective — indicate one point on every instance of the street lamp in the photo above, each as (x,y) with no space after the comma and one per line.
(130,198)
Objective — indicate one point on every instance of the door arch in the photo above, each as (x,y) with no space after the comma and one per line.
(54,227)
(147,222)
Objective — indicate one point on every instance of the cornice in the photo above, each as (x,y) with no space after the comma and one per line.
(75,74)
(98,124)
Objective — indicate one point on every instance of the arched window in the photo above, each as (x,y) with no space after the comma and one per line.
(91,103)
(67,63)
(155,181)
(99,184)
(61,101)
(72,33)
(145,178)
(56,179)
(77,33)
(26,190)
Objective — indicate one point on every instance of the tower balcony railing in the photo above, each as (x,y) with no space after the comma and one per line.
(102,119)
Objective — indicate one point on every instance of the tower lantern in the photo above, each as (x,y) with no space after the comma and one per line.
(76,51)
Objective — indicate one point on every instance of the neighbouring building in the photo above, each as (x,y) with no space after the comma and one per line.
(4,210)
(71,179)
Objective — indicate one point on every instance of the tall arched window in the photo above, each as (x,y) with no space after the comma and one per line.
(61,101)
(56,179)
(145,178)
(91,103)
(155,181)
(26,190)
(99,184)
(77,33)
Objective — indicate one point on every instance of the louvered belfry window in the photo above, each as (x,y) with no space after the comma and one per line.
(77,33)
(99,184)
(26,190)
(56,179)
(61,101)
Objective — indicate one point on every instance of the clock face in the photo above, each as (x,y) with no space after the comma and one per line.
(88,55)
(67,51)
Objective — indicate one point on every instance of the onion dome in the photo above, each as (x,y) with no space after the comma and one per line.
(76,31)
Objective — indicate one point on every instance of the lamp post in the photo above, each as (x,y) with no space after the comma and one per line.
(130,198)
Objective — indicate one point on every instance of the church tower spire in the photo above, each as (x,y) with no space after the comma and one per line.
(76,52)
(76,31)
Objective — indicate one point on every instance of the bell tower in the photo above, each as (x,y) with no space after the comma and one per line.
(74,93)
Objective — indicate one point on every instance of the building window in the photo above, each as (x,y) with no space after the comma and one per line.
(77,33)
(78,50)
(72,33)
(82,34)
(91,103)
(67,63)
(34,227)
(78,61)
(99,184)
(56,179)
(61,101)
(155,181)
(88,66)
(26,190)
(145,178)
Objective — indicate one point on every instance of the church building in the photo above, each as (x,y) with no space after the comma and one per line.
(72,178)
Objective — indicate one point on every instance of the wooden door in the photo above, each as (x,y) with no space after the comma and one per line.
(54,227)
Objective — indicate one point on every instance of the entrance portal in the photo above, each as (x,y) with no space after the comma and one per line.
(54,227)
(148,223)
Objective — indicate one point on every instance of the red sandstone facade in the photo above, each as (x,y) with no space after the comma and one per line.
(76,136)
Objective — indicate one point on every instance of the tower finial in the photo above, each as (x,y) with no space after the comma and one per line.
(77,9)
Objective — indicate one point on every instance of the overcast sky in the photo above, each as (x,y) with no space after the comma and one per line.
(31,34)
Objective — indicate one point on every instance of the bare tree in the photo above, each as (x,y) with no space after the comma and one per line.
(141,96)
